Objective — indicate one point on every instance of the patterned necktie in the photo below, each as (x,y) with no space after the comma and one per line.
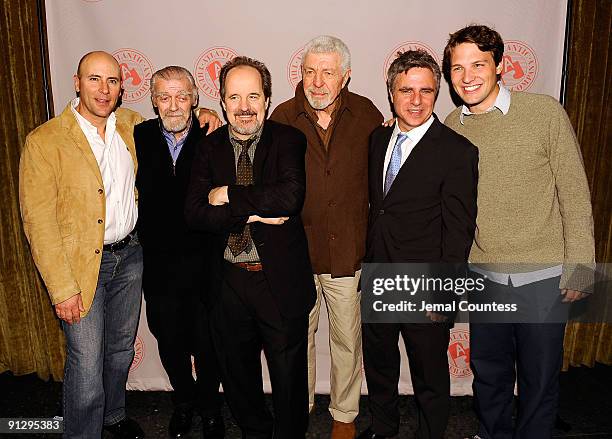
(239,242)
(396,161)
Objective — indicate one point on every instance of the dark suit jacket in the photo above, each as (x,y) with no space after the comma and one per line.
(278,190)
(162,189)
(161,226)
(429,213)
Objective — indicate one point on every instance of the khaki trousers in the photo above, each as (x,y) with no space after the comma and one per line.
(343,308)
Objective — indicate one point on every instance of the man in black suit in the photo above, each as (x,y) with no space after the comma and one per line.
(422,178)
(247,187)
(175,258)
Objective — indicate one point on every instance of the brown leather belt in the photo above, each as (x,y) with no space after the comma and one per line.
(249,266)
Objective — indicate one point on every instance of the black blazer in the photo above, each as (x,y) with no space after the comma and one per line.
(429,213)
(278,190)
(162,189)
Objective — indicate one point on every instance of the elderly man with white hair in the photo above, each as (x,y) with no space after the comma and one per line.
(176,275)
(337,125)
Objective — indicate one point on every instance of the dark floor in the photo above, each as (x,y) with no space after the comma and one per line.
(586,404)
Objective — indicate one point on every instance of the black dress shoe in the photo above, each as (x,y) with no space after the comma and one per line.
(369,434)
(180,422)
(125,429)
(213,427)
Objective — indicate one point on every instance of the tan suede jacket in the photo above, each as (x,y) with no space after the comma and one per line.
(62,199)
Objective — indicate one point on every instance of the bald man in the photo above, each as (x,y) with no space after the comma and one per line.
(78,206)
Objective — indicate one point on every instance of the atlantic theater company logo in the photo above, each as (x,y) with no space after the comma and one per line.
(294,68)
(207,69)
(139,353)
(459,353)
(136,72)
(408,45)
(519,65)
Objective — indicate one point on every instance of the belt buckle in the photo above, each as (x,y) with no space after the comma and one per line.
(115,246)
(118,245)
(249,266)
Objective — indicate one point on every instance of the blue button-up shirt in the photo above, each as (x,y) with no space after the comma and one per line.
(175,145)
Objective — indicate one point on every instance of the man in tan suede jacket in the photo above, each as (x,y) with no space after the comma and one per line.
(78,205)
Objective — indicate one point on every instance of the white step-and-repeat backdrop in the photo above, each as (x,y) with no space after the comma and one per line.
(146,35)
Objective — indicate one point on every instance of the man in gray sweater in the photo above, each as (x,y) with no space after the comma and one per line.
(534,238)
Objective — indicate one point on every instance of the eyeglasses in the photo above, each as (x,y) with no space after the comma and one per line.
(182,98)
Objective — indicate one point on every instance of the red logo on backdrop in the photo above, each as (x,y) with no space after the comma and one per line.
(408,45)
(459,353)
(136,72)
(294,68)
(519,66)
(207,69)
(139,353)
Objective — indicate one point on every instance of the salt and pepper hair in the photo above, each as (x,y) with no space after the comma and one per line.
(174,72)
(329,44)
(411,59)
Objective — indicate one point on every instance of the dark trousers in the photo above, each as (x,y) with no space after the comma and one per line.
(426,346)
(246,320)
(533,352)
(173,286)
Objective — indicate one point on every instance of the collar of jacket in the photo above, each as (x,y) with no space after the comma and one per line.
(300,100)
(123,128)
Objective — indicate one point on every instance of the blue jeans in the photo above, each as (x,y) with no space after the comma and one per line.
(100,348)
